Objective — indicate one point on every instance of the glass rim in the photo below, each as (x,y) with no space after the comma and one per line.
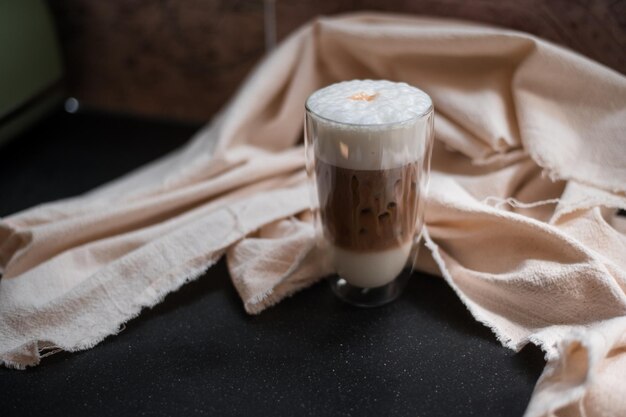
(416,116)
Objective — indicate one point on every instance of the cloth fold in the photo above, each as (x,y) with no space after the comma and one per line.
(528,171)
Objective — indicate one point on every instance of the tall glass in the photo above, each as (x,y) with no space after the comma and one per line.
(368,191)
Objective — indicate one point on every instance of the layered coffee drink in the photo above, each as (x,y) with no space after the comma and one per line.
(367,143)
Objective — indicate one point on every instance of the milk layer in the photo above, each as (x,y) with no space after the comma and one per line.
(370,269)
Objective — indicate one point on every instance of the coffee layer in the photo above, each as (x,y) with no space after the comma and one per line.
(368,210)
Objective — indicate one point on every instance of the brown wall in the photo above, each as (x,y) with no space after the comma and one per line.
(182,59)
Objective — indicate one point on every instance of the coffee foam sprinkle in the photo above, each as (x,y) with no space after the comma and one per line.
(369,102)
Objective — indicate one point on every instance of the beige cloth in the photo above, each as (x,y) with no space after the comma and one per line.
(529,166)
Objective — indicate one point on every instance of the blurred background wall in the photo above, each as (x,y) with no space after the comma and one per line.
(182,59)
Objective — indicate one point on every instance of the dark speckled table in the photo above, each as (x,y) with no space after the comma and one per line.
(198,353)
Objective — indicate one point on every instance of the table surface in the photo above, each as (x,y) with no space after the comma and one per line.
(199,353)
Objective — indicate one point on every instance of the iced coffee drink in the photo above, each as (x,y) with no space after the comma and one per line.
(368,149)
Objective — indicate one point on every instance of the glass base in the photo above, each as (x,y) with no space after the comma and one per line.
(369,297)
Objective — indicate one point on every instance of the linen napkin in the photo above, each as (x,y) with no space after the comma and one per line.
(528,171)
